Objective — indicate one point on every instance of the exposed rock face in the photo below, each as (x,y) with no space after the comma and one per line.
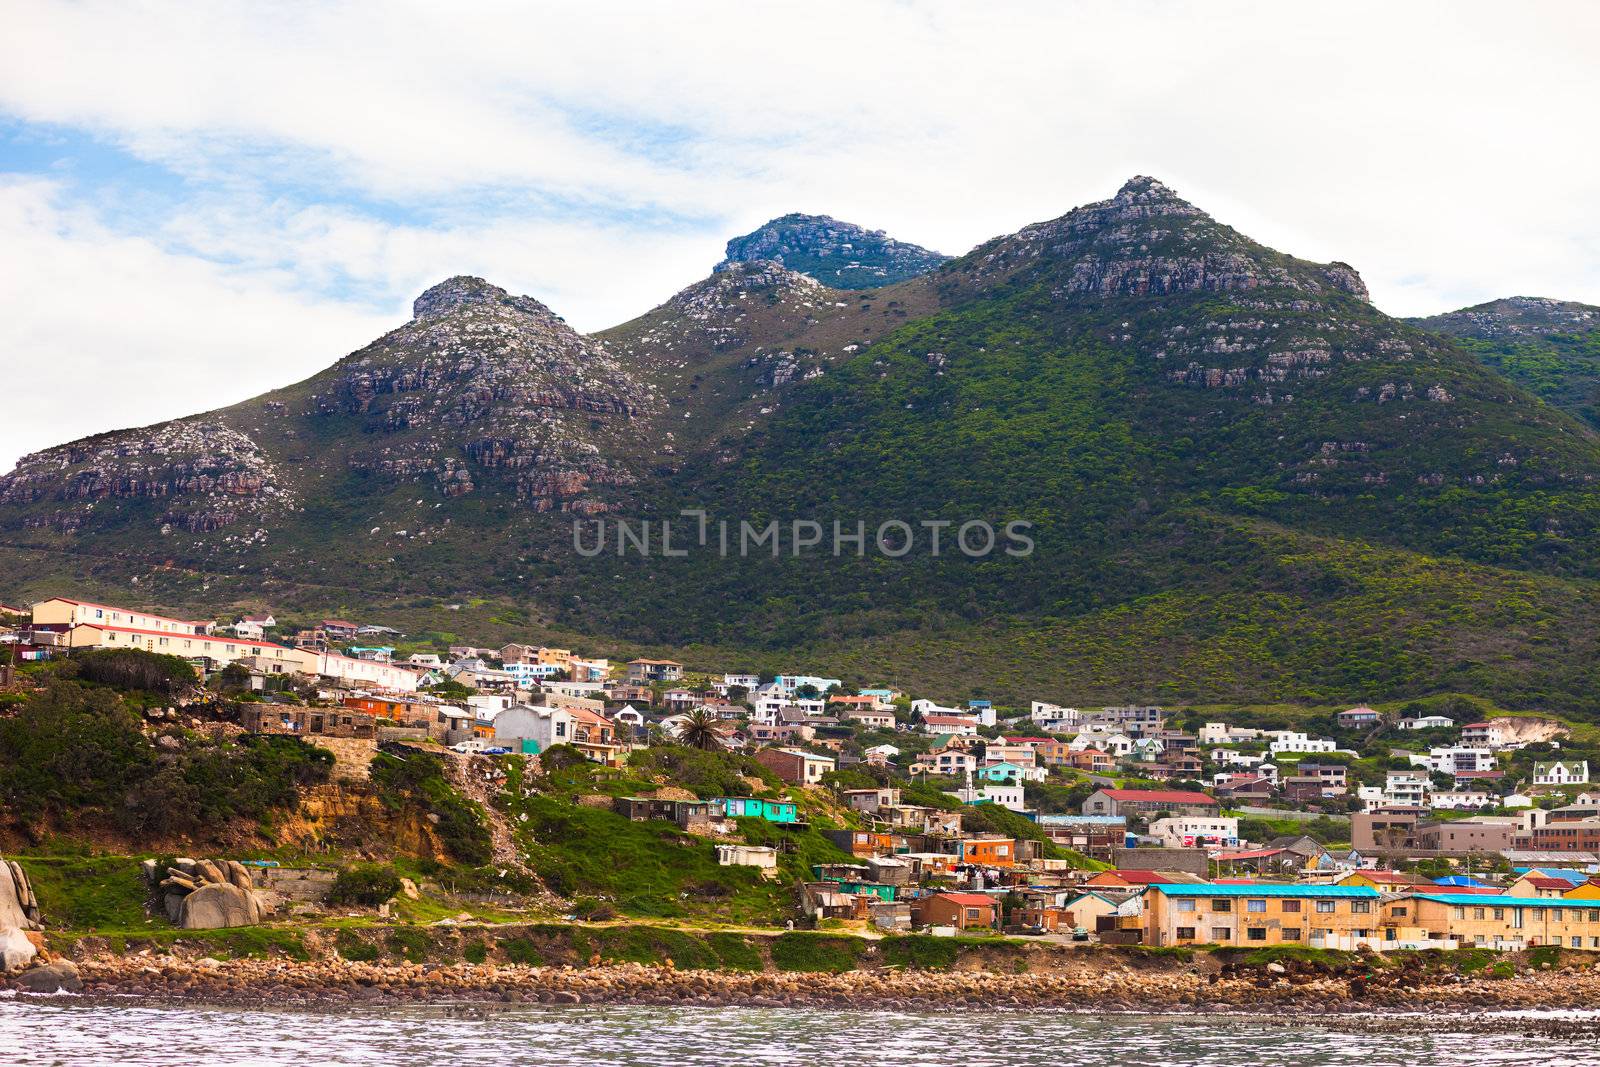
(212,473)
(841,255)
(718,311)
(480,378)
(1148,240)
(1515,317)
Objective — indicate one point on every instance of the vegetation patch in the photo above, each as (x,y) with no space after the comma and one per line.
(417,780)
(799,951)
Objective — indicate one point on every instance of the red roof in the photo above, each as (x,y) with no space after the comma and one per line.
(968,900)
(1144,877)
(958,720)
(1394,878)
(1029,740)
(1547,883)
(1249,854)
(1476,725)
(1479,774)
(1159,796)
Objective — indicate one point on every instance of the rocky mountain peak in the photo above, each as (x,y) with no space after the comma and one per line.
(1149,240)
(1515,317)
(465,291)
(838,254)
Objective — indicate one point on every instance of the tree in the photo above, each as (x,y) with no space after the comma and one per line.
(700,729)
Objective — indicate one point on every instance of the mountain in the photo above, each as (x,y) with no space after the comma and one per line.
(1238,479)
(1551,347)
(841,255)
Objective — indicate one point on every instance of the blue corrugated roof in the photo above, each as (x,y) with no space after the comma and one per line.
(1188,889)
(1489,900)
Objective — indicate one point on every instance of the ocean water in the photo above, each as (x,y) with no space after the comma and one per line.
(69,1031)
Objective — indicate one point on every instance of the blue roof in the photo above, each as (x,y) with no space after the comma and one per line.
(1083,820)
(1489,900)
(1458,879)
(1190,889)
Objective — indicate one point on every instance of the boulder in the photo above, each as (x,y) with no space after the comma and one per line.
(218,905)
(54,977)
(238,874)
(16,950)
(206,871)
(18,908)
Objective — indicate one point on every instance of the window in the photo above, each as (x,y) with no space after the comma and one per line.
(1325,907)
(1361,907)
(973,915)
(1577,942)
(1594,915)
(1398,912)
(1290,933)
(1478,913)
(1499,913)
(1256,906)
(1184,904)
(1555,914)
(1256,933)
(1458,913)
(1221,904)
(1185,933)
(1291,907)
(1221,933)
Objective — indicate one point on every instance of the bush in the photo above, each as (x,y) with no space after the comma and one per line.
(366,885)
(131,668)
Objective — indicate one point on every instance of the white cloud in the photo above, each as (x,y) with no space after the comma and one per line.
(101,331)
(596,155)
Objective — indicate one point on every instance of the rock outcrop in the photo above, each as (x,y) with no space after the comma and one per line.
(206,894)
(838,254)
(1515,317)
(19,912)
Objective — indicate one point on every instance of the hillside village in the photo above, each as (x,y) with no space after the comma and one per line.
(800,801)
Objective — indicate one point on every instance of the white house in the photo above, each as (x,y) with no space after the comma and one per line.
(254,627)
(1196,831)
(1561,772)
(542,727)
(1293,741)
(1452,760)
(1004,795)
(1406,787)
(1426,722)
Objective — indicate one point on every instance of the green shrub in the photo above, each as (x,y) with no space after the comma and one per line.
(412,945)
(365,885)
(474,952)
(816,952)
(354,949)
(417,780)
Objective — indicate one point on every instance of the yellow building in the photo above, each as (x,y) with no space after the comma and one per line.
(1322,916)
(1589,890)
(1502,922)
(59,613)
(221,651)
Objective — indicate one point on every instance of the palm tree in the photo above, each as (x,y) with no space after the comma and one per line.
(700,729)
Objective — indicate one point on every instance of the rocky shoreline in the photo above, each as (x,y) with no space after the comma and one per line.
(1268,990)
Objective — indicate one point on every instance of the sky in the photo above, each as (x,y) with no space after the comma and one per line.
(200,202)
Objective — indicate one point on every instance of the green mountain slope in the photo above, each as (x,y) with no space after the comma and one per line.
(1550,347)
(1240,480)
(840,255)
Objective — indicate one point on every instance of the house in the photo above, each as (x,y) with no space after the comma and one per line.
(1093,835)
(294,719)
(783,812)
(987,851)
(1005,794)
(648,671)
(963,911)
(692,815)
(1093,760)
(339,629)
(1455,759)
(220,650)
(1196,831)
(1385,827)
(871,718)
(1333,777)
(958,725)
(1321,916)
(1385,881)
(350,671)
(1148,802)
(1483,734)
(871,801)
(61,615)
(1489,835)
(795,766)
(1508,922)
(1357,718)
(1426,722)
(949,762)
(760,856)
(254,626)
(1293,741)
(531,729)
(1561,772)
(792,684)
(1539,884)
(1245,787)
